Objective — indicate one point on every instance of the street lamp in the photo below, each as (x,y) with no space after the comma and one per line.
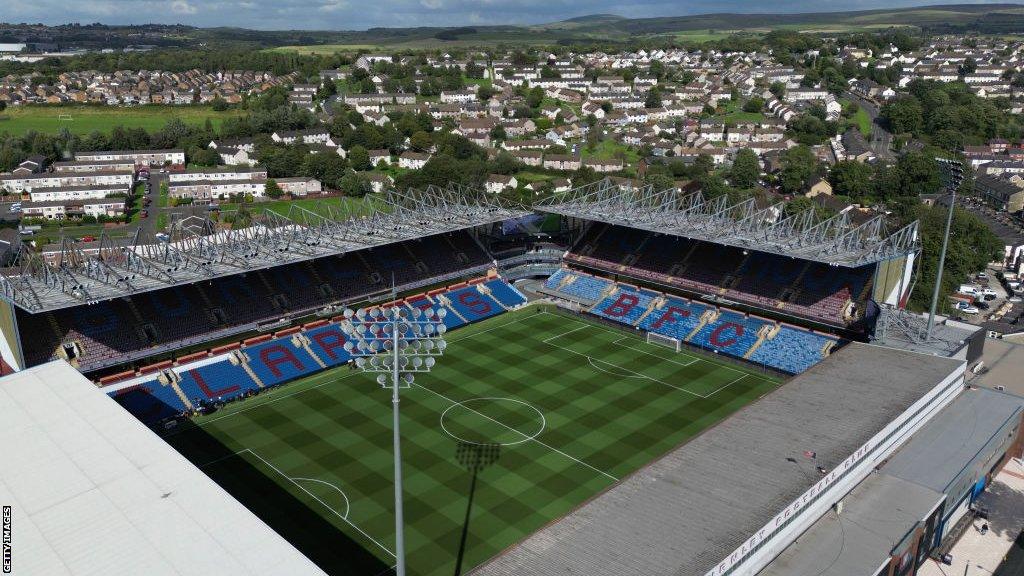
(398,341)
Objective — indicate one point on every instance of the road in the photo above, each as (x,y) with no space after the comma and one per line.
(880,139)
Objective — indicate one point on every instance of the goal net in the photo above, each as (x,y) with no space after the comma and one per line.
(662,340)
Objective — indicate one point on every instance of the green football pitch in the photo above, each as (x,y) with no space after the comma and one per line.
(548,409)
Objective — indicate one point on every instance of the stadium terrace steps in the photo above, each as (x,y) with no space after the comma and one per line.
(270,361)
(781,346)
(172,380)
(252,374)
(301,341)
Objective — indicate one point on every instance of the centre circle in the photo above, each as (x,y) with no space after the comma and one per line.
(492,420)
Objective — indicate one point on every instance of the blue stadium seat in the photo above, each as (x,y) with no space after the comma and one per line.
(221,380)
(792,350)
(676,319)
(555,279)
(586,287)
(277,361)
(626,305)
(505,293)
(472,304)
(327,343)
(149,401)
(732,333)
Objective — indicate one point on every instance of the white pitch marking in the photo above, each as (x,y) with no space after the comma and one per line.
(502,424)
(324,504)
(348,506)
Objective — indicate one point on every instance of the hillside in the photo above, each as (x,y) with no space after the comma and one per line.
(601,28)
(987,18)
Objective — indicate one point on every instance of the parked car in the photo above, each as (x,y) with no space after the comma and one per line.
(966,308)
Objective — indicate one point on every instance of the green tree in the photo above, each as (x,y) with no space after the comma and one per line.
(799,166)
(420,140)
(745,169)
(852,179)
(359,158)
(272,190)
(903,114)
(653,99)
(755,104)
(357,185)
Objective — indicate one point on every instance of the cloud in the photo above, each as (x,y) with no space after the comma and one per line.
(333,6)
(183,7)
(360,15)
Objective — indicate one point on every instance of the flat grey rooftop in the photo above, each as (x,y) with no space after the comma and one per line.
(94,491)
(882,510)
(937,454)
(684,513)
(875,515)
(1004,365)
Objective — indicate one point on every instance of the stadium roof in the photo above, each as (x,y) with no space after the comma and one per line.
(199,249)
(944,458)
(876,515)
(96,492)
(684,513)
(838,241)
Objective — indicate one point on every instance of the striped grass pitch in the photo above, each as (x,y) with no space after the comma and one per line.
(566,408)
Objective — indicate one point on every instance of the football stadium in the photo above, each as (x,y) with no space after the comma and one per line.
(626,381)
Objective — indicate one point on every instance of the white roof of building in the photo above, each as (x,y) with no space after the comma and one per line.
(95,492)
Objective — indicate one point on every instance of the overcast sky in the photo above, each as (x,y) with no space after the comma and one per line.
(362,14)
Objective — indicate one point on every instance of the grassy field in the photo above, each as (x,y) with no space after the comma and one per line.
(560,408)
(609,149)
(84,119)
(863,122)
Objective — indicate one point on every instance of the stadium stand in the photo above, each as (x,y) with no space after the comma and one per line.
(271,360)
(626,304)
(119,330)
(473,305)
(731,332)
(677,318)
(582,288)
(214,380)
(505,293)
(781,346)
(792,349)
(149,401)
(814,291)
(279,360)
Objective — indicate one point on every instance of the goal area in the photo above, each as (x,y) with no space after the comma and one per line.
(662,340)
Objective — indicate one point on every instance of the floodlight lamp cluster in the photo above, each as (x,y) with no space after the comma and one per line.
(382,338)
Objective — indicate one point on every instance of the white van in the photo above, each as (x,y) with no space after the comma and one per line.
(970,289)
